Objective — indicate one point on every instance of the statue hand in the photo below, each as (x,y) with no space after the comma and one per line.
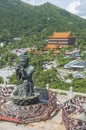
(18,67)
(22,68)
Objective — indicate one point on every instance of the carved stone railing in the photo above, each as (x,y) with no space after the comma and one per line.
(25,114)
(71,106)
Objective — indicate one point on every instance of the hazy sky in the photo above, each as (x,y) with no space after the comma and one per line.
(77,7)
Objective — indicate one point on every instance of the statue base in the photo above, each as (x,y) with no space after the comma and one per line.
(42,110)
(27,100)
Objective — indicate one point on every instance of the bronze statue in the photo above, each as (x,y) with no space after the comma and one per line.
(24,71)
(25,89)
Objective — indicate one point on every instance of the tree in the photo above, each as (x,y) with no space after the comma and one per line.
(1,80)
(79,85)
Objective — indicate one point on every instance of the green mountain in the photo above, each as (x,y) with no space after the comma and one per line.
(18,18)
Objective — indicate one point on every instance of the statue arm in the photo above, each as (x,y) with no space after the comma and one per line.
(30,71)
(23,73)
(27,73)
(18,73)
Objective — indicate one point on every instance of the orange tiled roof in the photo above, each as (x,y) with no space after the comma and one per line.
(56,52)
(61,35)
(49,47)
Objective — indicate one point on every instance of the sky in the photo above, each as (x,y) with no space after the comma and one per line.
(77,7)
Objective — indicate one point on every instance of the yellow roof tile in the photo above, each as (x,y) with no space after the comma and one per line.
(61,35)
(52,46)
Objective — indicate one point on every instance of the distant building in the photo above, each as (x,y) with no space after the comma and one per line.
(78,75)
(53,47)
(17,38)
(60,40)
(74,53)
(49,65)
(76,65)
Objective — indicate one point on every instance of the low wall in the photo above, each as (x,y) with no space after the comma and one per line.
(69,107)
(25,114)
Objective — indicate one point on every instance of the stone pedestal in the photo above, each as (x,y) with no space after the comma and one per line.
(27,100)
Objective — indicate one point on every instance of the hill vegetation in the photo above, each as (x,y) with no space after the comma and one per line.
(33,24)
(18,19)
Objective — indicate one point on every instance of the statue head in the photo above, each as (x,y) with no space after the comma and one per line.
(24,59)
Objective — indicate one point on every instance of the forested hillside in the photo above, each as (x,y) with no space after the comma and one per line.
(18,18)
(33,24)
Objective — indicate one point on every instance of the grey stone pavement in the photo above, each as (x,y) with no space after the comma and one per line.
(63,95)
(6,72)
(54,123)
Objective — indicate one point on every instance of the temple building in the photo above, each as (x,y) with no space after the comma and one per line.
(60,40)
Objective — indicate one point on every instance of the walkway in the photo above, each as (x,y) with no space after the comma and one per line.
(52,124)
